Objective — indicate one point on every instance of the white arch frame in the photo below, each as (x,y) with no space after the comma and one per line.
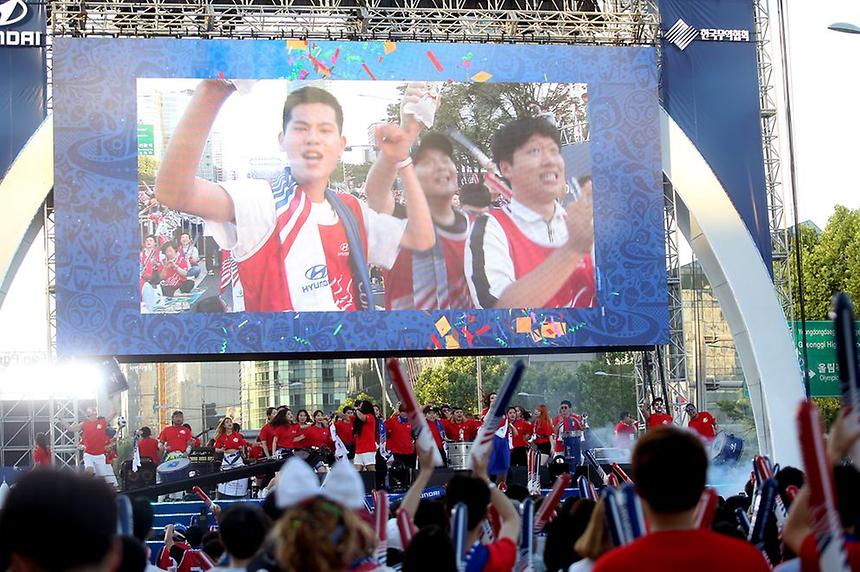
(743,287)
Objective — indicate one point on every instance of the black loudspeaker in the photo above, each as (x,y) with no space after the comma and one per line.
(518,476)
(369,480)
(441,476)
(114,379)
(143,477)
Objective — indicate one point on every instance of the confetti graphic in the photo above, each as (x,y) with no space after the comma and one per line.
(435,61)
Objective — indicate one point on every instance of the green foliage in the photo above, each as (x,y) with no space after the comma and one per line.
(453,381)
(147,167)
(362,396)
(829,408)
(831,262)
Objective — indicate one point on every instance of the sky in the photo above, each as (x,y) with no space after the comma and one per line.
(825,86)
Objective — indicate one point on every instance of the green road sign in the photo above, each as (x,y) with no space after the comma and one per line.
(145,139)
(823,366)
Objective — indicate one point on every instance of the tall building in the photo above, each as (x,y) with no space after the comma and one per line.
(299,384)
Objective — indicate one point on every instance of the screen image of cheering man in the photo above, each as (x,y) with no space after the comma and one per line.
(299,245)
(532,252)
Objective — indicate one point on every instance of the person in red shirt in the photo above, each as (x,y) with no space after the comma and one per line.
(658,416)
(147,446)
(195,441)
(175,438)
(543,432)
(477,493)
(669,469)
(267,432)
(344,429)
(702,422)
(41,452)
(94,437)
(521,432)
(488,404)
(318,434)
(399,441)
(287,435)
(230,443)
(459,428)
(625,431)
(174,271)
(364,429)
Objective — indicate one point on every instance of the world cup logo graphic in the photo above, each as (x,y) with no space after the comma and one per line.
(12,12)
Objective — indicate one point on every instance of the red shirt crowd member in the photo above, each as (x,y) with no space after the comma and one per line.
(658,417)
(175,438)
(174,271)
(669,469)
(149,260)
(567,424)
(431,279)
(41,452)
(230,442)
(147,446)
(542,430)
(364,429)
(399,437)
(318,434)
(702,422)
(344,428)
(625,431)
(267,432)
(459,428)
(532,253)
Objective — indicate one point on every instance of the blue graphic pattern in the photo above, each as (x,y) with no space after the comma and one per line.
(98,302)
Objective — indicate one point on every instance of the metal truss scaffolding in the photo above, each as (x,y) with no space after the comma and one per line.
(620,22)
(769,123)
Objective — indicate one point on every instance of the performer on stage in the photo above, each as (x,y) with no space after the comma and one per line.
(286,433)
(658,416)
(398,430)
(437,429)
(94,438)
(521,432)
(702,422)
(175,438)
(568,431)
(625,431)
(230,443)
(41,452)
(147,445)
(543,433)
(344,429)
(459,428)
(364,429)
(267,433)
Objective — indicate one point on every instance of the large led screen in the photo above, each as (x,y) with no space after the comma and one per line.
(252,197)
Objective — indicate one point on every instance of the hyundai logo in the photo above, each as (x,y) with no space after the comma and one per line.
(12,12)
(318,272)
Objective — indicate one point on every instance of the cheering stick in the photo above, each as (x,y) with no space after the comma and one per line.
(485,162)
(634,517)
(764,471)
(423,438)
(621,473)
(762,512)
(586,488)
(547,507)
(601,474)
(380,514)
(526,553)
(406,527)
(743,520)
(826,525)
(484,440)
(612,481)
(624,514)
(706,509)
(125,516)
(459,534)
(849,371)
(207,502)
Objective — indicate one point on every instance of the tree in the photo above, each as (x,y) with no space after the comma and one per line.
(604,397)
(147,167)
(831,262)
(454,381)
(478,110)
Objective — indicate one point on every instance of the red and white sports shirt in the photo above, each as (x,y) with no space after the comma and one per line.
(509,242)
(292,253)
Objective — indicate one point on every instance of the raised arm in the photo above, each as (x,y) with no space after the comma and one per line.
(413,495)
(176,185)
(507,513)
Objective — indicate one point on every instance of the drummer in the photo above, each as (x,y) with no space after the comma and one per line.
(459,428)
(702,423)
(175,438)
(230,443)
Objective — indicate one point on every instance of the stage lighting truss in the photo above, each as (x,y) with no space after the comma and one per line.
(611,22)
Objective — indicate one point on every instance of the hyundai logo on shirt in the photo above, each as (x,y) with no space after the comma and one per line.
(317,276)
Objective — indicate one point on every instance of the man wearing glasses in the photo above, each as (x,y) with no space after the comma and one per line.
(568,432)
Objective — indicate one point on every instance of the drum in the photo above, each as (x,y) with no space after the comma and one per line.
(726,449)
(174,469)
(458,455)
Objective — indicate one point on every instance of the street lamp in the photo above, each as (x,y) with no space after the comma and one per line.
(844,27)
(607,374)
